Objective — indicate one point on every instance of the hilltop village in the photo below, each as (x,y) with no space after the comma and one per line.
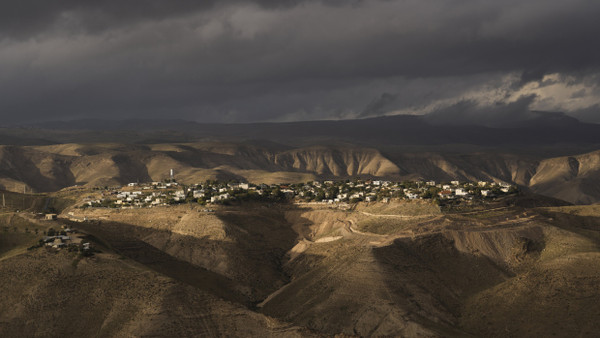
(147,195)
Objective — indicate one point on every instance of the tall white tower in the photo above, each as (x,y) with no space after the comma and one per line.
(171,172)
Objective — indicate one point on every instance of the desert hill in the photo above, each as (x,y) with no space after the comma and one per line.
(549,153)
(419,270)
(574,178)
(58,293)
(48,294)
(53,167)
(296,269)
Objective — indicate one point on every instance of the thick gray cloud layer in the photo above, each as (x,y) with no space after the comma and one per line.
(294,60)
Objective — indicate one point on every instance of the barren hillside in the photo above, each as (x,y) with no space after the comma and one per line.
(50,168)
(575,178)
(55,294)
(420,271)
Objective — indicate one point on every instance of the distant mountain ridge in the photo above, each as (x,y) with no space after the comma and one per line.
(542,128)
(550,153)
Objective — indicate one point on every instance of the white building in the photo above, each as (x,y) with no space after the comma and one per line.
(342,196)
(218,198)
(244,186)
(412,196)
(486,193)
(460,192)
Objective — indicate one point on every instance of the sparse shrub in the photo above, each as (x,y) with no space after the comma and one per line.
(39,244)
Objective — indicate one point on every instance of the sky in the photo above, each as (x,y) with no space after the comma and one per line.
(292,60)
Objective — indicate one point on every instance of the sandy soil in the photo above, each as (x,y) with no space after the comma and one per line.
(378,270)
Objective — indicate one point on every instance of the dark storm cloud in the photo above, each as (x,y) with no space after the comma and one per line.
(529,75)
(494,115)
(379,106)
(589,114)
(274,60)
(21,19)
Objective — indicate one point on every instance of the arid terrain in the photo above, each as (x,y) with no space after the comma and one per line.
(551,154)
(519,266)
(574,178)
(524,265)
(300,168)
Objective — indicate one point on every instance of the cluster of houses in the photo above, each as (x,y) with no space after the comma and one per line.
(456,189)
(139,195)
(58,239)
